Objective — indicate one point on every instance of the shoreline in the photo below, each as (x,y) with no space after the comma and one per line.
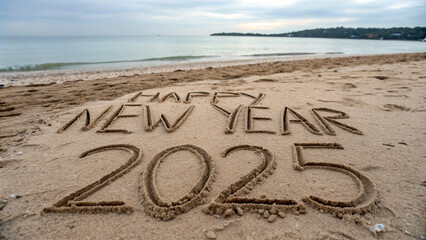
(419,40)
(23,78)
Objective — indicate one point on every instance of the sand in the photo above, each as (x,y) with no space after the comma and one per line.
(308,149)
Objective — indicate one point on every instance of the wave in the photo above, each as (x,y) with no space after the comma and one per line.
(334,52)
(279,54)
(59,65)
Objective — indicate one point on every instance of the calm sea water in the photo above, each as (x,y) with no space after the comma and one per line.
(46,53)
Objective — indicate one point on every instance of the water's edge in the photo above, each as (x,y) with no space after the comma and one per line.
(20,78)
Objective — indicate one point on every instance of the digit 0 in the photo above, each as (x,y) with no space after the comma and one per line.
(154,204)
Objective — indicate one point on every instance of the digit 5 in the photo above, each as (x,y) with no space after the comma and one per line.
(367,193)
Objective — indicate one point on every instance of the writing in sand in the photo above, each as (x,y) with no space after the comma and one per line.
(325,116)
(231,200)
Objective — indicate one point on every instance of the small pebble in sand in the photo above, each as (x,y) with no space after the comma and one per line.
(261,211)
(266,214)
(19,153)
(281,214)
(220,228)
(228,213)
(377,228)
(211,235)
(272,218)
(240,211)
(225,224)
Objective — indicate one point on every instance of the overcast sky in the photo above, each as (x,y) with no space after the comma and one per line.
(199,17)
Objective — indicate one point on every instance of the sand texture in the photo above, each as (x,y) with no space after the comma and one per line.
(309,149)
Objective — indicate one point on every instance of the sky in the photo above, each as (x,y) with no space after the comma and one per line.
(199,17)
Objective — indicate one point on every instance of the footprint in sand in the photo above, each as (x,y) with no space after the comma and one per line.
(395,107)
(266,80)
(381,77)
(348,86)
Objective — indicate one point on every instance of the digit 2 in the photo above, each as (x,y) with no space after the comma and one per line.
(73,202)
(229,197)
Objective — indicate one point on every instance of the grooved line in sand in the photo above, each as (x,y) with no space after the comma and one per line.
(73,202)
(285,122)
(156,206)
(228,202)
(10,115)
(87,125)
(8,109)
(169,95)
(189,96)
(116,115)
(151,125)
(223,94)
(324,122)
(364,202)
(231,122)
(139,94)
(257,99)
(250,120)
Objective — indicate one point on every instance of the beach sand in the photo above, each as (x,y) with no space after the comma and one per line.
(308,149)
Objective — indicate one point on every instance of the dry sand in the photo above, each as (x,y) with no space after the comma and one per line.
(309,149)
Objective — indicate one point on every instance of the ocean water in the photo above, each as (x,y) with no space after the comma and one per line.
(22,54)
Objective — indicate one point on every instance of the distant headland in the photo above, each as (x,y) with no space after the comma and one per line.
(396,33)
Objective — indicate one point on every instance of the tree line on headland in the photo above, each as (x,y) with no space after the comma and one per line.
(396,33)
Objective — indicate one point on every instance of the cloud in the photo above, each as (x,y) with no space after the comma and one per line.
(200,17)
(268,3)
(219,15)
(401,5)
(271,25)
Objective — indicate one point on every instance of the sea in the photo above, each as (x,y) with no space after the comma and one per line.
(32,54)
